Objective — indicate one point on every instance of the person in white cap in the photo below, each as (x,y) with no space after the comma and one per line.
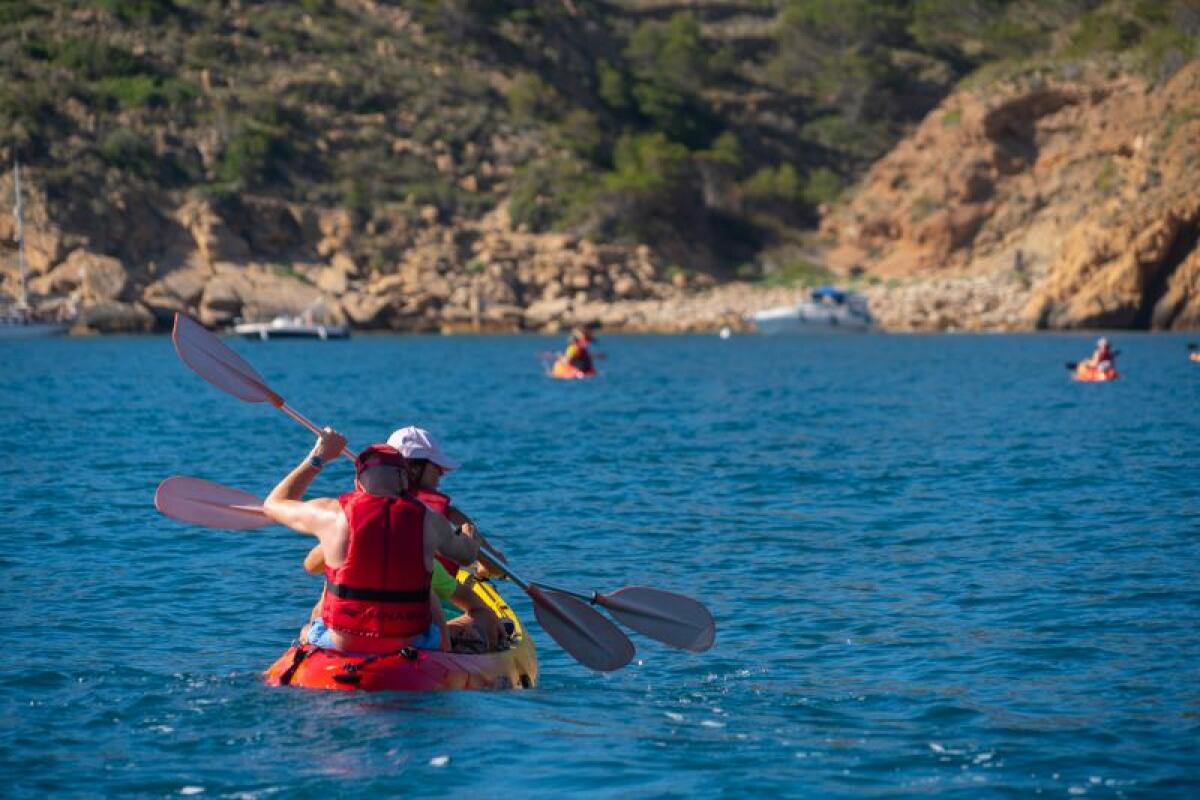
(1103,358)
(427,464)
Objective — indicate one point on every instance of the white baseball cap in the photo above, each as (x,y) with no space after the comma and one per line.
(417,443)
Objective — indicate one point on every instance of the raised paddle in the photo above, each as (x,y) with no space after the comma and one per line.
(580,630)
(670,618)
(1193,346)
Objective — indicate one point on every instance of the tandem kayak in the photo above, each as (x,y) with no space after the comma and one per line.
(564,371)
(1094,375)
(412,670)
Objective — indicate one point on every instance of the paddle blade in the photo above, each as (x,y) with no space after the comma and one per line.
(580,630)
(212,505)
(1071,365)
(212,360)
(670,618)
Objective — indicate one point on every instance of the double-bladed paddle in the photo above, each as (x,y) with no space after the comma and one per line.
(670,618)
(579,629)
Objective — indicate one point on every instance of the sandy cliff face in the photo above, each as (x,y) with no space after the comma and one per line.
(1045,202)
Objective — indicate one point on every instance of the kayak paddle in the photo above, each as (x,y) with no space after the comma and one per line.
(579,629)
(670,618)
(667,617)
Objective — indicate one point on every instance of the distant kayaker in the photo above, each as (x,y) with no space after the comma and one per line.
(378,544)
(577,355)
(1103,358)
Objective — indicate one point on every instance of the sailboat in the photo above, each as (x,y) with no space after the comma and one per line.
(18,320)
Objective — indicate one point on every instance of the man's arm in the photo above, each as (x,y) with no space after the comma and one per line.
(283,504)
(462,548)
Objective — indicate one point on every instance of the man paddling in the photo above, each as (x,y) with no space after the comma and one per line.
(378,544)
(473,627)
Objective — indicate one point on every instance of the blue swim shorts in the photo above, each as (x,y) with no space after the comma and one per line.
(318,634)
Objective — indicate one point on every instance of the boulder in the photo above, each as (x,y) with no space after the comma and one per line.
(109,316)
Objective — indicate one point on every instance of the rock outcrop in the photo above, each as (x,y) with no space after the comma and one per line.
(1085,190)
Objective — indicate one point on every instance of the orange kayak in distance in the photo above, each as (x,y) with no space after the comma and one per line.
(564,371)
(1088,374)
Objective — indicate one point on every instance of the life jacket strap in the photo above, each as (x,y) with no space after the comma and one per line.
(377,595)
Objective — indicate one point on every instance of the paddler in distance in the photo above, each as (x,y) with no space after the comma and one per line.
(378,544)
(577,355)
(1102,358)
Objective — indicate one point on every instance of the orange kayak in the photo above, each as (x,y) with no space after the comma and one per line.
(1093,375)
(564,371)
(412,670)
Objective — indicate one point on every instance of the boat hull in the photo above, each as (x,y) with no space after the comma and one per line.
(809,318)
(413,670)
(265,331)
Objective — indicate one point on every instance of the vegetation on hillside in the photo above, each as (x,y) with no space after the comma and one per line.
(711,130)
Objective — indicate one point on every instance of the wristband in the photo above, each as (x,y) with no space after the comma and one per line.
(316,462)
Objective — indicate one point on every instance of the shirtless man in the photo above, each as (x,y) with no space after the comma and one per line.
(378,545)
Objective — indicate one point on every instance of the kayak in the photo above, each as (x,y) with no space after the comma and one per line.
(564,371)
(1093,375)
(412,670)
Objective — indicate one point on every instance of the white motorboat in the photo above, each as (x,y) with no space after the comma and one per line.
(288,327)
(18,320)
(828,310)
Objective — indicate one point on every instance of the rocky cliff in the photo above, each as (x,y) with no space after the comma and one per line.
(1047,201)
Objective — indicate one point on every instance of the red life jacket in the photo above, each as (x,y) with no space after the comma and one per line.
(382,589)
(440,503)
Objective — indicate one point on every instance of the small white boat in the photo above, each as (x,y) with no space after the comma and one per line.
(18,320)
(19,323)
(285,327)
(828,310)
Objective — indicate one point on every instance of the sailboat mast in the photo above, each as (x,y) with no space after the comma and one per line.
(23,299)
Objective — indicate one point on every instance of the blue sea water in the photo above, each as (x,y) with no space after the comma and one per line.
(939,568)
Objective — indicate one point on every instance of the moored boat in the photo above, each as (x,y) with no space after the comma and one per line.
(828,310)
(415,670)
(18,320)
(285,327)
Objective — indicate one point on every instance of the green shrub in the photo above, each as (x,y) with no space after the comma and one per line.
(581,133)
(14,11)
(531,98)
(140,11)
(823,186)
(1103,32)
(780,184)
(93,60)
(132,91)
(647,164)
(611,86)
(253,155)
(129,152)
(798,272)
